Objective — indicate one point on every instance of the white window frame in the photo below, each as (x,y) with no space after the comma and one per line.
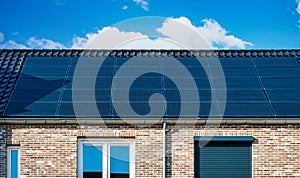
(106,144)
(9,149)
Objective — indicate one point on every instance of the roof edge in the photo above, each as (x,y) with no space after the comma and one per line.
(234,121)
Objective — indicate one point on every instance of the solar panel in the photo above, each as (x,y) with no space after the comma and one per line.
(91,62)
(248,109)
(39,71)
(140,109)
(187,62)
(287,95)
(27,82)
(174,95)
(203,84)
(281,83)
(279,72)
(45,62)
(90,72)
(238,84)
(52,89)
(38,95)
(286,109)
(244,96)
(198,71)
(275,62)
(234,63)
(84,109)
(174,109)
(85,95)
(139,95)
(144,84)
(38,88)
(31,109)
(234,73)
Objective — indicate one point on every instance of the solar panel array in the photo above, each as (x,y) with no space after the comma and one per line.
(61,87)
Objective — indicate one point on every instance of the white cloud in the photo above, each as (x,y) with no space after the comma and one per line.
(12,45)
(178,33)
(112,37)
(184,33)
(43,44)
(80,42)
(211,33)
(1,37)
(214,33)
(125,7)
(143,3)
(298,7)
(30,43)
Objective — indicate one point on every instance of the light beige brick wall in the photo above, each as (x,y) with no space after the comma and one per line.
(51,150)
(277,153)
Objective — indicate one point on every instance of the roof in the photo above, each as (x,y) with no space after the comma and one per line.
(250,84)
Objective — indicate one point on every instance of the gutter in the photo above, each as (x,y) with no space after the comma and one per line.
(170,121)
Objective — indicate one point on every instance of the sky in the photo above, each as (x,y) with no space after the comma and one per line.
(223,24)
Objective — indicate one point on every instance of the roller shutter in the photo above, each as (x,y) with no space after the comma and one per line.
(224,157)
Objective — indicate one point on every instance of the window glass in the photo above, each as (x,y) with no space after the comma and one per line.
(14,164)
(119,162)
(111,158)
(92,161)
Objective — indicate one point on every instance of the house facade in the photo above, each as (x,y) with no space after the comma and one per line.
(149,113)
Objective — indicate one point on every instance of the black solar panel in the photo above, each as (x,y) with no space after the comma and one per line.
(187,62)
(86,110)
(46,62)
(254,87)
(31,109)
(279,72)
(288,109)
(38,90)
(234,62)
(245,109)
(275,62)
(234,73)
(238,84)
(254,96)
(281,83)
(283,95)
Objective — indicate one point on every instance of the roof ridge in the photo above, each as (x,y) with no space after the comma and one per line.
(150,53)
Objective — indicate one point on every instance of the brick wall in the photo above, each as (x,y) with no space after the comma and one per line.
(277,153)
(51,150)
(2,153)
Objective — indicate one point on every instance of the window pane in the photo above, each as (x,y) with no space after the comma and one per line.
(119,162)
(14,163)
(92,161)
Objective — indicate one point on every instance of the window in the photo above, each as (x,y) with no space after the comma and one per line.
(100,158)
(223,156)
(13,160)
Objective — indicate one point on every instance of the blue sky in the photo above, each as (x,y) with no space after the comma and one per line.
(58,23)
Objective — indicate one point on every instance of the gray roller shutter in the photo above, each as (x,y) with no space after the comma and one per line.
(224,157)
